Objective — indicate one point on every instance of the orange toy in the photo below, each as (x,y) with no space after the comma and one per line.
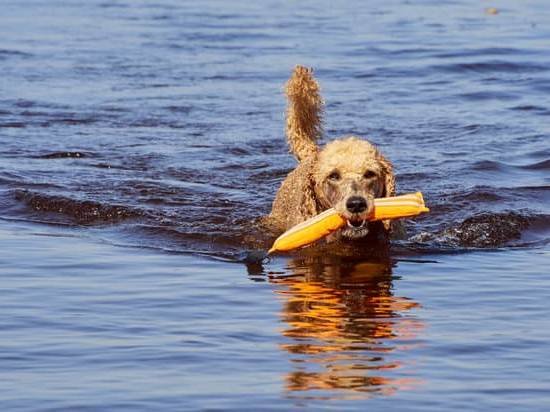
(329,221)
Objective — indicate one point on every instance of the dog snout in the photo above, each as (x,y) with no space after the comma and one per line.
(356,204)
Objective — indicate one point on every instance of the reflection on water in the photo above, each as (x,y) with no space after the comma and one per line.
(345,329)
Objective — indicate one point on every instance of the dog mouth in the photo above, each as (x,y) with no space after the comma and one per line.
(356,223)
(355,228)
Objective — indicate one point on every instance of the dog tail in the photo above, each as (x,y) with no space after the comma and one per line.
(304,113)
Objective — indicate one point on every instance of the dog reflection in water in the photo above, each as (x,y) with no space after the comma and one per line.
(345,328)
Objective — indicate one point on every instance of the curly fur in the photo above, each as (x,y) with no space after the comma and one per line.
(304,114)
(326,177)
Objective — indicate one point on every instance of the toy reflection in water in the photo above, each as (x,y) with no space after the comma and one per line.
(346,329)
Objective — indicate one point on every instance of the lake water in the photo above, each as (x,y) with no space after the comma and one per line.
(140,140)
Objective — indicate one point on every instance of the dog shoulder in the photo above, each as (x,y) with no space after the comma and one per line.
(295,201)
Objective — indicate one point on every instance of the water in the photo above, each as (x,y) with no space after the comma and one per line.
(139,142)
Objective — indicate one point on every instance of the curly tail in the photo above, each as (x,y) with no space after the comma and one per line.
(304,113)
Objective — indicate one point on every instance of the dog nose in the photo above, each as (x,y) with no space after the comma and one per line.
(356,204)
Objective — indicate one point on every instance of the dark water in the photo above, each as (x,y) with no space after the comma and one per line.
(140,140)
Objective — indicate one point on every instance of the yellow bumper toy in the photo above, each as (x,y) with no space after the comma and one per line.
(329,221)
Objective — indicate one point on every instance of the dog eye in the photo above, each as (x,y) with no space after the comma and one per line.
(335,175)
(369,174)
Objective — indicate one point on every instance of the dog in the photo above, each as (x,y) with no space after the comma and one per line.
(346,174)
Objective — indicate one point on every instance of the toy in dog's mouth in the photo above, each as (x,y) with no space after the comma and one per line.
(351,226)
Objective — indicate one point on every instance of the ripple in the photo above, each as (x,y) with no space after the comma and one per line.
(6,54)
(489,95)
(530,108)
(64,155)
(495,66)
(485,51)
(542,165)
(16,125)
(491,165)
(488,165)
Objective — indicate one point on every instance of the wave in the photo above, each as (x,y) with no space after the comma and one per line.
(489,230)
(82,211)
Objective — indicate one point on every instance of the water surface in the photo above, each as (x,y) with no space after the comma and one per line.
(139,141)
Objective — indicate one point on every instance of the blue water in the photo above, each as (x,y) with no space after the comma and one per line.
(139,141)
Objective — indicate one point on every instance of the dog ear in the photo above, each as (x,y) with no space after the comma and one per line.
(388,182)
(389,178)
(309,205)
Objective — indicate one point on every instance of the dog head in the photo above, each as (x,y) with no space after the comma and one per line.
(350,174)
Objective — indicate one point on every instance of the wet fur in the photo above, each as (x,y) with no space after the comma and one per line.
(311,187)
